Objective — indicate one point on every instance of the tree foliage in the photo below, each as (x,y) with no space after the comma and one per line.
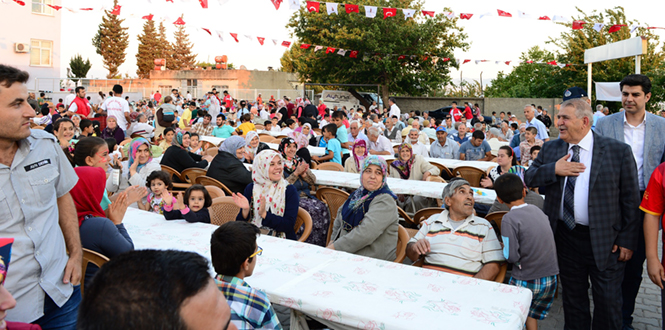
(165,48)
(529,80)
(181,55)
(111,42)
(149,47)
(380,42)
(78,68)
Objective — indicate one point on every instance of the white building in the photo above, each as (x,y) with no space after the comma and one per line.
(30,39)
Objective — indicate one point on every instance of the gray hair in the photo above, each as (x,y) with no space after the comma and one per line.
(414,130)
(450,189)
(457,125)
(373,131)
(478,126)
(373,116)
(355,122)
(582,108)
(495,131)
(599,107)
(529,106)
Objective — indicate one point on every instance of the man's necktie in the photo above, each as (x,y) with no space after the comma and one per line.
(569,193)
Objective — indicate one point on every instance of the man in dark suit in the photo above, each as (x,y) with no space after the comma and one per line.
(591,200)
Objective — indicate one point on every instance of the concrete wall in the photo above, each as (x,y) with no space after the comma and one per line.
(234,79)
(20,25)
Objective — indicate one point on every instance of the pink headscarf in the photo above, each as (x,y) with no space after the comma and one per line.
(359,159)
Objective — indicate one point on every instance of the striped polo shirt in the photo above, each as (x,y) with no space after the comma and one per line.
(461,251)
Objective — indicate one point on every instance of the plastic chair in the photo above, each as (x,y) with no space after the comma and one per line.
(330,166)
(425,213)
(433,178)
(303,219)
(212,152)
(215,191)
(176,174)
(91,257)
(208,181)
(223,210)
(502,273)
(190,174)
(446,174)
(402,239)
(471,174)
(334,198)
(259,127)
(495,218)
(266,138)
(275,141)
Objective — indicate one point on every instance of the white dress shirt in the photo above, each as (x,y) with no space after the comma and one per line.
(395,111)
(634,137)
(420,149)
(382,144)
(582,181)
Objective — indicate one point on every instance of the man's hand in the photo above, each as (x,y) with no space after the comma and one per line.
(566,168)
(421,246)
(73,269)
(426,175)
(624,254)
(656,272)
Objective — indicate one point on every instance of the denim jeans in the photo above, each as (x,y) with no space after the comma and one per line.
(61,318)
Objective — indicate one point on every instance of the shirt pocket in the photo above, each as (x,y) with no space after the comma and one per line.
(42,181)
(471,249)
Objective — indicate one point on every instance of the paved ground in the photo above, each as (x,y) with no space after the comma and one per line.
(647,314)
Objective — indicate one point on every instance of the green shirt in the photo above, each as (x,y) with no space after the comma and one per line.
(223,132)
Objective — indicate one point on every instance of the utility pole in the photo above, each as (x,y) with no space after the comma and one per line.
(461,88)
(481,84)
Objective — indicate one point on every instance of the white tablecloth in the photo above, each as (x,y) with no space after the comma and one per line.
(408,187)
(351,290)
(214,140)
(452,163)
(314,151)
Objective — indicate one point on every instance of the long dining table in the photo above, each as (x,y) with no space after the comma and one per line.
(314,151)
(346,291)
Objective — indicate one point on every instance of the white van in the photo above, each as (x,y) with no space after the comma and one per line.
(332,98)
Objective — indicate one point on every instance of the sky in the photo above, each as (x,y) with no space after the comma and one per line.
(492,37)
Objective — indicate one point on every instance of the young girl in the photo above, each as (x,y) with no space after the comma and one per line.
(195,145)
(158,182)
(193,207)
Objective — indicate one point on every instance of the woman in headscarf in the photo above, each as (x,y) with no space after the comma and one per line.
(367,222)
(355,163)
(112,130)
(281,105)
(269,201)
(507,161)
(138,167)
(99,233)
(253,146)
(227,166)
(409,166)
(298,174)
(178,158)
(302,135)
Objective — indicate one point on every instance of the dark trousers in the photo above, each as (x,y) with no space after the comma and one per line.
(576,266)
(61,318)
(344,158)
(632,278)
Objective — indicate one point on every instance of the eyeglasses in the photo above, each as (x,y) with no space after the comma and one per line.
(258,252)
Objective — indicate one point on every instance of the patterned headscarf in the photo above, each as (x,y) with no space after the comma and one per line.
(232,144)
(248,138)
(357,204)
(177,140)
(359,160)
(274,192)
(403,167)
(301,139)
(134,148)
(290,164)
(519,171)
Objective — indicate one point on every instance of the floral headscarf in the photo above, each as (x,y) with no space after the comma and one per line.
(134,148)
(274,192)
(359,159)
(232,144)
(357,204)
(301,139)
(290,164)
(403,167)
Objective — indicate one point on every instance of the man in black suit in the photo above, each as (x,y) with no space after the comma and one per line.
(592,200)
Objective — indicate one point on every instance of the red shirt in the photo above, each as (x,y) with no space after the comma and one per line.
(457,114)
(322,110)
(653,201)
(228,100)
(468,113)
(157,97)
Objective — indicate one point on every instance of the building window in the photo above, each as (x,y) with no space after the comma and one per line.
(40,52)
(40,7)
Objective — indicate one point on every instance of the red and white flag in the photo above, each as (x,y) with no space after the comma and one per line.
(503,13)
(408,13)
(544,18)
(598,26)
(370,11)
(55,7)
(389,12)
(304,46)
(616,27)
(428,13)
(207,30)
(351,8)
(234,36)
(551,62)
(577,25)
(261,40)
(148,17)
(313,6)
(465,16)
(331,7)
(330,50)
(286,44)
(317,48)
(204,4)
(179,21)
(116,10)
(466,61)
(353,54)
(276,3)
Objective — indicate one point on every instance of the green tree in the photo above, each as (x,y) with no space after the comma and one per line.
(229,66)
(149,47)
(111,42)
(380,42)
(181,56)
(165,48)
(78,68)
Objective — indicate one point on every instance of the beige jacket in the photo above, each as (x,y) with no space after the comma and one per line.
(419,167)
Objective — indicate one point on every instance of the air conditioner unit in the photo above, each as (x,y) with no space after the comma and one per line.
(21,48)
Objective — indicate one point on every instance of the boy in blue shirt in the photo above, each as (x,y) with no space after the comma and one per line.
(528,243)
(342,135)
(333,148)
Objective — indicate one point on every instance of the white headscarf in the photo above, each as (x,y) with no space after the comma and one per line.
(248,139)
(274,192)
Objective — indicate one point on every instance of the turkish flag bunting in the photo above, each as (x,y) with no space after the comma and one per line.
(85,9)
(171,1)
(286,44)
(116,10)
(313,6)
(276,3)
(578,25)
(235,36)
(504,13)
(207,30)
(351,9)
(425,58)
(465,16)
(529,62)
(261,40)
(551,62)
(389,12)
(148,17)
(401,57)
(204,4)
(544,18)
(55,7)
(466,61)
(428,13)
(446,59)
(179,21)
(20,2)
(354,54)
(616,27)
(330,50)
(304,46)
(508,62)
